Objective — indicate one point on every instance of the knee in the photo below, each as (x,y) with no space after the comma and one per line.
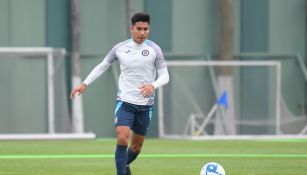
(122,139)
(122,133)
(136,147)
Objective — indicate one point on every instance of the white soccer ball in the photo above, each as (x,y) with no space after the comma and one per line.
(212,168)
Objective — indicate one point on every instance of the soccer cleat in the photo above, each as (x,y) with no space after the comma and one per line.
(128,172)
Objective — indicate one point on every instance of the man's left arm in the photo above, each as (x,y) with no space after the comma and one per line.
(163,78)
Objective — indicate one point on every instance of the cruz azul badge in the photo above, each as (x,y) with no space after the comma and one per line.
(145,52)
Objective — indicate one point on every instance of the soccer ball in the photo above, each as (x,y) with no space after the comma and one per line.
(212,168)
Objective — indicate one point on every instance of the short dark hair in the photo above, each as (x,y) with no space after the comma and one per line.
(140,17)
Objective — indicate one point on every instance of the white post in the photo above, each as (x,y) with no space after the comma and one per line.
(278,98)
(77,111)
(160,113)
(192,120)
(51,114)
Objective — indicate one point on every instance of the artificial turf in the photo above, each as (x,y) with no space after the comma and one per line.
(158,157)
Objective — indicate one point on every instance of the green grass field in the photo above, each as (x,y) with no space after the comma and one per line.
(159,157)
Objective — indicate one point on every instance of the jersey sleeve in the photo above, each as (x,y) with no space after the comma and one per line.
(160,62)
(111,56)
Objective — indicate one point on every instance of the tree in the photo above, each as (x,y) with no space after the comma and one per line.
(225,76)
(77,105)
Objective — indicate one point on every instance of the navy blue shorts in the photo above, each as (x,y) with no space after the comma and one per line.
(136,117)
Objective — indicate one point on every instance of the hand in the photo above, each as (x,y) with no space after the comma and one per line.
(147,90)
(78,90)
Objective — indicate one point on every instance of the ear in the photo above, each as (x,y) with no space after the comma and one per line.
(131,28)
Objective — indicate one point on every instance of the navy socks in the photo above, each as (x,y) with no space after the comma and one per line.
(131,156)
(121,159)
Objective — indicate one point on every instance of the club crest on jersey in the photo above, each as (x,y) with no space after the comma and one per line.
(145,52)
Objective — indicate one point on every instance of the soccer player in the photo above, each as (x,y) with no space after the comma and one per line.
(140,60)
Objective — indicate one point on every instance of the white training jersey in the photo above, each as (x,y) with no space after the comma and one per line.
(138,65)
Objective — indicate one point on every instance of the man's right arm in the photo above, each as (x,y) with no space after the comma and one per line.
(103,66)
(97,72)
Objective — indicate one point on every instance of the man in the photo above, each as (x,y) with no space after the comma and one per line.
(140,60)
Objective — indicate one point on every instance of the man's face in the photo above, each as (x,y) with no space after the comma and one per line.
(140,32)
